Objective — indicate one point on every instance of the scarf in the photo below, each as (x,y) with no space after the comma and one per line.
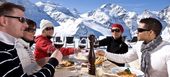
(30,42)
(146,50)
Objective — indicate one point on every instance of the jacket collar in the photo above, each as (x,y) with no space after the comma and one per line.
(24,43)
(8,39)
(119,40)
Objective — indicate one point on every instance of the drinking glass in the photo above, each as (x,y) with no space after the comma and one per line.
(58,45)
(58,42)
(82,43)
(78,67)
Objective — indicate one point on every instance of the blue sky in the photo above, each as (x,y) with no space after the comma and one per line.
(130,5)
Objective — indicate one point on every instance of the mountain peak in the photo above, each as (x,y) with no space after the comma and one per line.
(110,5)
(55,9)
(168,7)
(97,21)
(33,12)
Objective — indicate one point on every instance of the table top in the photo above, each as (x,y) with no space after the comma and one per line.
(83,72)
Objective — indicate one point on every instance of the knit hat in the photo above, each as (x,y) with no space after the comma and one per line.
(118,26)
(45,23)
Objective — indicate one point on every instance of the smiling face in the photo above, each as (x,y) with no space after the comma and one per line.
(48,31)
(29,33)
(13,26)
(145,34)
(116,32)
(149,29)
(142,35)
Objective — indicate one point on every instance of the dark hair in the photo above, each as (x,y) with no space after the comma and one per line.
(152,24)
(31,23)
(7,8)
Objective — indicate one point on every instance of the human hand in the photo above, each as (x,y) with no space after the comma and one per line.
(42,61)
(57,54)
(77,50)
(100,53)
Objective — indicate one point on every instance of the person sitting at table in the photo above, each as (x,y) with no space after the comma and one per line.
(115,43)
(12,25)
(44,46)
(151,50)
(25,53)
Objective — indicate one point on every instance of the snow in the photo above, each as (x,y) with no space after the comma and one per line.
(96,22)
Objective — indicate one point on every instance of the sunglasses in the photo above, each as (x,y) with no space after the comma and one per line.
(21,19)
(49,28)
(30,30)
(115,30)
(142,30)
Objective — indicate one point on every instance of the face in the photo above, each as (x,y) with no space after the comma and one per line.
(29,33)
(49,31)
(116,32)
(13,25)
(143,33)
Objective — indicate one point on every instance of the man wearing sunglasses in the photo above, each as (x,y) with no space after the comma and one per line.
(12,26)
(115,43)
(153,52)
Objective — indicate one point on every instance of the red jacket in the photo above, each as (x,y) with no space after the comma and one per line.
(43,45)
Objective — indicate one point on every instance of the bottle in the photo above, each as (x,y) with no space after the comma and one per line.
(91,56)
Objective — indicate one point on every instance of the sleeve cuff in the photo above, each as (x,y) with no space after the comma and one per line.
(53,61)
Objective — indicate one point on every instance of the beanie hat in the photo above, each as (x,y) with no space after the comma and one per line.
(118,26)
(45,23)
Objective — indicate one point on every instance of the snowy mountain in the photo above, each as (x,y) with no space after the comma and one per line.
(165,16)
(89,24)
(72,23)
(33,12)
(112,13)
(97,21)
(56,11)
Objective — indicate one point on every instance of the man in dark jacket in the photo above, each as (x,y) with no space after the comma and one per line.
(115,43)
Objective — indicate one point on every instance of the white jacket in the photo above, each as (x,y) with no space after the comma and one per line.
(26,57)
(160,58)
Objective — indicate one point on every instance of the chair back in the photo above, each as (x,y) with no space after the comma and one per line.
(57,39)
(83,39)
(69,39)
